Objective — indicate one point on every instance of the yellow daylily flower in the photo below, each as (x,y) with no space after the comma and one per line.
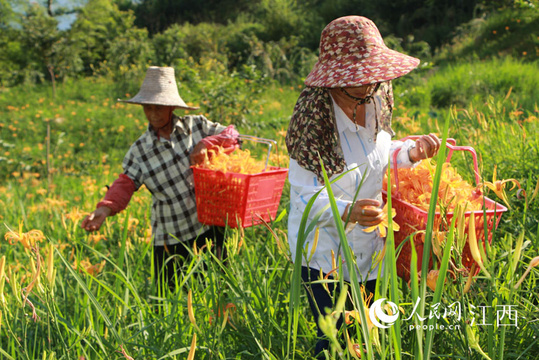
(28,240)
(498,186)
(384,224)
(349,316)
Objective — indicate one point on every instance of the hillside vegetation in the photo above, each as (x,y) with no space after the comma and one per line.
(67,294)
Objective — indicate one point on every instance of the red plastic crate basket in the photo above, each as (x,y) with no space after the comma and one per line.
(238,199)
(412,220)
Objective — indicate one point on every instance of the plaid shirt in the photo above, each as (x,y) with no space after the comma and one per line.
(163,166)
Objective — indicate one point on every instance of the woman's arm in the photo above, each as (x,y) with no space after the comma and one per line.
(227,139)
(116,200)
(304,185)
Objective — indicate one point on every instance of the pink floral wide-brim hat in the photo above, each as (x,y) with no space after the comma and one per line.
(353,53)
(159,88)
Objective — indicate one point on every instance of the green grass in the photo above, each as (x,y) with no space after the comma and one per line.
(497,34)
(93,316)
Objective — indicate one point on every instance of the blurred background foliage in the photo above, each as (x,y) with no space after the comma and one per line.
(278,37)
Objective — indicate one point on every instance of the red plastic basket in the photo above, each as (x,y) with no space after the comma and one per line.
(411,219)
(239,199)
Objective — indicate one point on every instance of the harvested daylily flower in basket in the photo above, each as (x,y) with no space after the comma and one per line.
(415,187)
(239,161)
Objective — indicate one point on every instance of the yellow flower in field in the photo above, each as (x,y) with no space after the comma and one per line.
(95,238)
(86,266)
(76,215)
(384,224)
(498,186)
(132,224)
(147,235)
(56,202)
(28,240)
(349,316)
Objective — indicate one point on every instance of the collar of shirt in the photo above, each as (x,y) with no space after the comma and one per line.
(151,135)
(351,126)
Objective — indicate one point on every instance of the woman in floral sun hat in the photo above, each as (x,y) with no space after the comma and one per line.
(343,116)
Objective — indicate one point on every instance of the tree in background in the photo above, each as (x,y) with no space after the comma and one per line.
(98,26)
(47,50)
(278,37)
(158,15)
(11,52)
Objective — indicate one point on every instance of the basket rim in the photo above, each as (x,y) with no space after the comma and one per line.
(269,170)
(498,208)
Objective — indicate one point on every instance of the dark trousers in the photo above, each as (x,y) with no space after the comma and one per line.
(320,299)
(169,259)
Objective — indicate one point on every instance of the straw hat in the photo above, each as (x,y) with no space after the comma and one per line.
(353,53)
(159,88)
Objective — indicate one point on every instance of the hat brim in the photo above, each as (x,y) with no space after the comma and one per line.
(378,66)
(150,102)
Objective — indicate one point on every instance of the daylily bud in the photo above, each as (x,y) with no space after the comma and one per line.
(315,242)
(473,341)
(532,264)
(190,311)
(461,227)
(51,271)
(474,249)
(192,349)
(535,192)
(470,279)
(2,278)
(432,278)
(437,240)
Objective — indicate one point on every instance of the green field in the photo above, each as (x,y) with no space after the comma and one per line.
(67,294)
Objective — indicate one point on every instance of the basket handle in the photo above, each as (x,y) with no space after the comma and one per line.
(451,145)
(268,142)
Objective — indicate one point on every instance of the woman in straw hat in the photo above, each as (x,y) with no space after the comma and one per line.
(160,159)
(344,116)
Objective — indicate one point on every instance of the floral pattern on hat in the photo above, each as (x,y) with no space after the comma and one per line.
(353,53)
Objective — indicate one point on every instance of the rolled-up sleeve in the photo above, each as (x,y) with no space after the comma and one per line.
(403,158)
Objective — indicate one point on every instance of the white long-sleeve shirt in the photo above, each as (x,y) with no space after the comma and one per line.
(367,158)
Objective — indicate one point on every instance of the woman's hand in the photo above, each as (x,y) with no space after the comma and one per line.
(426,146)
(365,212)
(94,221)
(198,154)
